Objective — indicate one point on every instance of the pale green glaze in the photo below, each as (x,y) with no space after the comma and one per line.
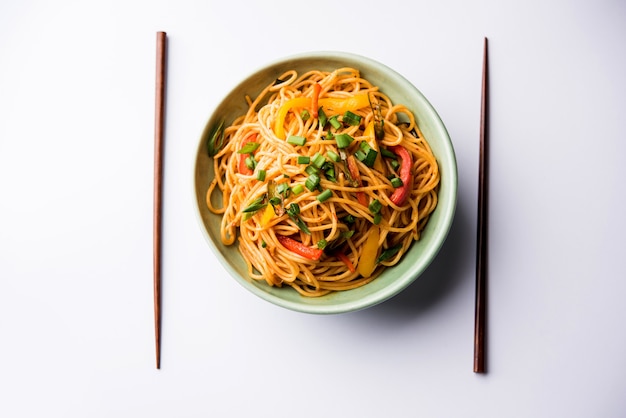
(422,252)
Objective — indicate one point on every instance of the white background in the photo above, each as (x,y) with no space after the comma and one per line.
(76,165)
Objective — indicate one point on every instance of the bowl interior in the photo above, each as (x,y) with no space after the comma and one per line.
(421,253)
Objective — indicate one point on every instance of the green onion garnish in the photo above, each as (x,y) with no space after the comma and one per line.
(249,148)
(321,244)
(343,140)
(296,140)
(216,139)
(334,122)
(321,116)
(260,175)
(250,162)
(303,159)
(375,206)
(377,218)
(311,169)
(297,188)
(325,195)
(388,253)
(305,115)
(256,205)
(388,154)
(318,160)
(351,118)
(312,181)
(333,156)
(396,182)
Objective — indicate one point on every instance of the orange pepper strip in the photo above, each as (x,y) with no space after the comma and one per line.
(317,88)
(336,106)
(299,248)
(279,123)
(344,258)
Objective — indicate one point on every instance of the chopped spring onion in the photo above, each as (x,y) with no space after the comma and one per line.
(260,175)
(250,162)
(388,253)
(256,205)
(312,181)
(216,139)
(325,195)
(321,116)
(377,218)
(311,169)
(303,159)
(334,122)
(343,140)
(297,189)
(349,219)
(396,182)
(249,148)
(367,155)
(388,154)
(318,160)
(305,115)
(395,164)
(333,156)
(351,118)
(283,188)
(375,206)
(296,140)
(321,244)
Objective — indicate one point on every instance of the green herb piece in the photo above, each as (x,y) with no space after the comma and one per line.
(351,118)
(312,181)
(321,244)
(260,175)
(311,169)
(375,206)
(216,139)
(250,162)
(325,195)
(305,115)
(249,148)
(343,140)
(388,253)
(297,189)
(347,234)
(256,205)
(397,182)
(293,211)
(333,156)
(321,116)
(377,218)
(334,122)
(388,154)
(296,140)
(318,160)
(395,164)
(349,219)
(303,159)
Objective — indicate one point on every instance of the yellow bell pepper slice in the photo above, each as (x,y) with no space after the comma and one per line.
(268,215)
(279,123)
(336,106)
(367,262)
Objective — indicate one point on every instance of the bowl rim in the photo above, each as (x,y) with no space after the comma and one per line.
(437,239)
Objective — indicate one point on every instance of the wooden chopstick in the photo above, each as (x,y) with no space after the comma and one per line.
(481,244)
(158,185)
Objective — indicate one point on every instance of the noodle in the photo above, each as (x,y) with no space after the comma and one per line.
(381,184)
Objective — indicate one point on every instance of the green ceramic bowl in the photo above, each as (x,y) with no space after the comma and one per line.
(392,280)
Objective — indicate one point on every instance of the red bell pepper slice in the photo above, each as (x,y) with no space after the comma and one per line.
(299,248)
(243,168)
(401,193)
